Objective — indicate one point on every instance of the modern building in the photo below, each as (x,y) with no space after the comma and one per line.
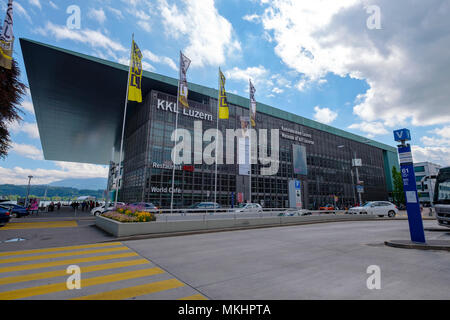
(426,173)
(79,105)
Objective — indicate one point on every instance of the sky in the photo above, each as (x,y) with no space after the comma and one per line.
(367,67)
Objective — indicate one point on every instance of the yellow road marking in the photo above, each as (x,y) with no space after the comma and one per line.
(136,291)
(58,287)
(62,273)
(40,225)
(99,245)
(67,262)
(64,254)
(194,297)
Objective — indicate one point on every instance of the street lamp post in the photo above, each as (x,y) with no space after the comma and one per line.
(356,169)
(28,190)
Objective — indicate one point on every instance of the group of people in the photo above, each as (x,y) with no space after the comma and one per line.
(52,205)
(85,205)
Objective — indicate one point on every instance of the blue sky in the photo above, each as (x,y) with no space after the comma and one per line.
(318,59)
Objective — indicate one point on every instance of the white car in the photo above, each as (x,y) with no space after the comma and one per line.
(379,208)
(248,207)
(99,210)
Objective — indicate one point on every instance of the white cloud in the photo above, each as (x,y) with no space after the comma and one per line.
(147,54)
(371,129)
(252,18)
(439,155)
(97,14)
(31,129)
(35,3)
(443,132)
(258,74)
(66,170)
(27,151)
(116,12)
(53,5)
(145,25)
(21,11)
(324,115)
(403,63)
(209,35)
(95,39)
(28,106)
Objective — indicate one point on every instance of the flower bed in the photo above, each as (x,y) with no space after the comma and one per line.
(130,214)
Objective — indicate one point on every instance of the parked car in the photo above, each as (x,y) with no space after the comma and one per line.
(102,209)
(16,211)
(202,207)
(379,208)
(146,206)
(5,215)
(293,212)
(248,207)
(328,207)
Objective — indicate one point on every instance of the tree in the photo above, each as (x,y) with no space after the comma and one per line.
(11,92)
(398,193)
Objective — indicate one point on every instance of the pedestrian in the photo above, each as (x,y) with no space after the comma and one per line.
(58,205)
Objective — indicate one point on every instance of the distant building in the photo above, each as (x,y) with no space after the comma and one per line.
(425,171)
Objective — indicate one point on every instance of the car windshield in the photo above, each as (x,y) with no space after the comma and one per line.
(242,205)
(368,204)
(442,194)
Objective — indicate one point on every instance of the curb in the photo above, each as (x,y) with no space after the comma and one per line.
(195,232)
(430,245)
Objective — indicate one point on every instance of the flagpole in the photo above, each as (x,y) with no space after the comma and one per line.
(250,143)
(124,120)
(176,137)
(217,137)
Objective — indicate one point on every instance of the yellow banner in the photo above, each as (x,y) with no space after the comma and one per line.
(6,54)
(224,112)
(135,80)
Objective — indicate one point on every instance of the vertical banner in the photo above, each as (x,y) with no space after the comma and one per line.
(224,112)
(134,90)
(244,148)
(183,91)
(252,105)
(7,39)
(299,159)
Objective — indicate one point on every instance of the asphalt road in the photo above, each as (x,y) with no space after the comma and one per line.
(323,261)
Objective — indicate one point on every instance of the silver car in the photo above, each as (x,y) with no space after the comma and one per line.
(249,207)
(379,208)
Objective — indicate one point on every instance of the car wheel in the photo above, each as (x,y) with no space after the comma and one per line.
(97,213)
(380,216)
(391,214)
(14,215)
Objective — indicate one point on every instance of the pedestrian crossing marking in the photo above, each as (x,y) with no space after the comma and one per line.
(40,225)
(114,272)
(87,246)
(67,262)
(131,292)
(62,273)
(194,297)
(57,287)
(60,255)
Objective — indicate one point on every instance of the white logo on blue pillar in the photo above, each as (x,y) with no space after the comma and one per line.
(297,185)
(402,135)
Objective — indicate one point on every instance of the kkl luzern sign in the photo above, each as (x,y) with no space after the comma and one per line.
(165,105)
(182,152)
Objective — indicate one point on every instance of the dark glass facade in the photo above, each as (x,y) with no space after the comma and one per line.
(147,172)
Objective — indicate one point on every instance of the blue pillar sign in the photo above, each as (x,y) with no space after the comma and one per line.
(409,186)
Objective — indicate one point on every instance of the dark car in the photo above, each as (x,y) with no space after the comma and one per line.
(17,211)
(5,215)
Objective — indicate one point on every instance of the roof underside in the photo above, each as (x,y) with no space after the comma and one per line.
(79,102)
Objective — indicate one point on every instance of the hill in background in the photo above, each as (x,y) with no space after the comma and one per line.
(11,192)
(82,184)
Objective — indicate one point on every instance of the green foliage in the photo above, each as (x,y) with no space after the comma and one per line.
(12,192)
(398,193)
(11,92)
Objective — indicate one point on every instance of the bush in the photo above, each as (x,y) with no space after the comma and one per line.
(130,216)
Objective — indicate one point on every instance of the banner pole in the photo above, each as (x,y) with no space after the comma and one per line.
(217,137)
(123,122)
(175,141)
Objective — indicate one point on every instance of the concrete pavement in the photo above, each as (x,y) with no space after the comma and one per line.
(327,261)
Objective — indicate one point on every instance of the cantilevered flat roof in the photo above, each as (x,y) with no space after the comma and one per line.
(79,101)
